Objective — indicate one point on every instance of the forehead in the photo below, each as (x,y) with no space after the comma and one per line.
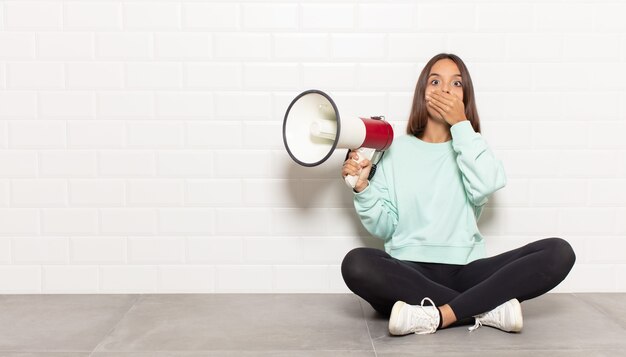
(445,67)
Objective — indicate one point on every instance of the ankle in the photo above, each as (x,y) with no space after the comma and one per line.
(447,316)
(440,319)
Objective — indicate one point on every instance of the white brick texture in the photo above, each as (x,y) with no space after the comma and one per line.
(141,146)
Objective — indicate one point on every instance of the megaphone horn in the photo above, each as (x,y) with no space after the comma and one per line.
(312,130)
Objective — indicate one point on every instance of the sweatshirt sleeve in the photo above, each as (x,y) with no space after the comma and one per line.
(375,205)
(481,171)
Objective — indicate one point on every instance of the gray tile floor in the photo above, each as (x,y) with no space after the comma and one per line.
(289,325)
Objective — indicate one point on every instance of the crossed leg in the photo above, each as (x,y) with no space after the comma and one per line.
(462,290)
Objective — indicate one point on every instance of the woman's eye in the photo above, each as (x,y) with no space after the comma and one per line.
(459,83)
(433,81)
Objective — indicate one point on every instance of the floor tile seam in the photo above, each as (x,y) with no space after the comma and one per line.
(366,325)
(497,347)
(597,307)
(446,350)
(214,351)
(138,298)
(46,351)
(591,302)
(455,351)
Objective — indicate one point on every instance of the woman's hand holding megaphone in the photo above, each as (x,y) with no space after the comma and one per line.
(354,168)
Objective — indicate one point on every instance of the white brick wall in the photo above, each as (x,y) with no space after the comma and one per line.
(141,147)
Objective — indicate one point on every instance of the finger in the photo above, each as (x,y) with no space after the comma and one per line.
(350,172)
(350,164)
(451,97)
(347,170)
(442,108)
(350,161)
(440,103)
(445,97)
(442,99)
(436,109)
(354,166)
(434,96)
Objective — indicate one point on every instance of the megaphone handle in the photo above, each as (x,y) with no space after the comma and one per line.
(363,153)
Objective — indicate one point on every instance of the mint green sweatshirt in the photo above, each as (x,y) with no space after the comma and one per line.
(425,198)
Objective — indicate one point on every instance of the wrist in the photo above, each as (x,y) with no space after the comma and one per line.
(458,121)
(360,188)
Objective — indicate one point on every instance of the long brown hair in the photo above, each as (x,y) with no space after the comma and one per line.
(419,114)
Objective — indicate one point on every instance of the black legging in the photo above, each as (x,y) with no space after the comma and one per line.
(472,289)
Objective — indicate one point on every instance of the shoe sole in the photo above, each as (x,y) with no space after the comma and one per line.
(395,315)
(517,312)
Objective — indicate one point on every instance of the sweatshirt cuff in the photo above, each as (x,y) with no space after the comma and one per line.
(462,132)
(365,189)
(363,195)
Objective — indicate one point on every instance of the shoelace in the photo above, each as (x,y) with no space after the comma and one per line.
(486,315)
(476,325)
(429,319)
(429,300)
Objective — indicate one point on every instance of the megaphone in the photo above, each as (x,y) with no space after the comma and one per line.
(312,130)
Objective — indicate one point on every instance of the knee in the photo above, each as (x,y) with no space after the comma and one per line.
(561,256)
(356,265)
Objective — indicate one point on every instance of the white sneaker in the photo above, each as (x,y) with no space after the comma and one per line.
(506,317)
(417,319)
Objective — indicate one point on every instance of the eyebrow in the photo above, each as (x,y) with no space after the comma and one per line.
(437,74)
